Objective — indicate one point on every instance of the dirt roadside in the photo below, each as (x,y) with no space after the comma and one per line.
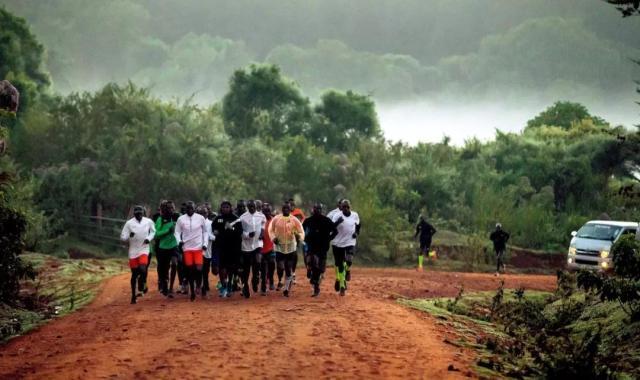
(363,335)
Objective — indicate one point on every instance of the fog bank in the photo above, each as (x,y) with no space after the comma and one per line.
(429,120)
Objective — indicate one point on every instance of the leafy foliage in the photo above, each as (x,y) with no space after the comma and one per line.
(624,287)
(564,115)
(262,103)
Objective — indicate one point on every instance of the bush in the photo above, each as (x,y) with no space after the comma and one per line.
(624,286)
(12,269)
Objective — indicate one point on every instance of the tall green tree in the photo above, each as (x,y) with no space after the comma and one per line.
(262,102)
(22,58)
(344,119)
(563,114)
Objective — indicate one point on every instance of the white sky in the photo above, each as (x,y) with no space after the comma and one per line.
(429,121)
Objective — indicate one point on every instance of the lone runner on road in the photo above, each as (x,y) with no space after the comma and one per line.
(426,232)
(499,237)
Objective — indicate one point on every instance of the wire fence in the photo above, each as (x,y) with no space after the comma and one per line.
(98,230)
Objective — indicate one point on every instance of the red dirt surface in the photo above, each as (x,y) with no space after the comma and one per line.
(363,335)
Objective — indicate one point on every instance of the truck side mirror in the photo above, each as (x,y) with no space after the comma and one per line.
(574,233)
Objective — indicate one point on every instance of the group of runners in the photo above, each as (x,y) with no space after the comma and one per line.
(246,247)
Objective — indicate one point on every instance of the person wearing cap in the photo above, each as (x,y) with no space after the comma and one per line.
(426,232)
(191,233)
(138,232)
(347,225)
(499,237)
(319,231)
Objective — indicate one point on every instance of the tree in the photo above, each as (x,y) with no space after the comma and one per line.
(12,221)
(21,58)
(345,118)
(563,114)
(627,7)
(261,102)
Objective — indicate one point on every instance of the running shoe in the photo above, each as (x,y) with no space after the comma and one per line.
(337,286)
(343,292)
(316,291)
(245,291)
(286,293)
(170,294)
(280,285)
(223,292)
(309,273)
(133,300)
(348,276)
(263,293)
(193,296)
(254,285)
(272,287)
(294,278)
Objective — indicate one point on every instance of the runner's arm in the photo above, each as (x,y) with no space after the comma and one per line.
(271,230)
(162,229)
(299,229)
(178,232)
(152,231)
(205,235)
(124,235)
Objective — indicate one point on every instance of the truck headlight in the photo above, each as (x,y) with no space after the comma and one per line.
(570,260)
(604,265)
(572,251)
(604,254)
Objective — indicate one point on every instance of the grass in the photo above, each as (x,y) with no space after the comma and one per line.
(61,287)
(69,246)
(470,320)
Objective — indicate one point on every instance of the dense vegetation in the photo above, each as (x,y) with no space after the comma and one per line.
(587,328)
(121,145)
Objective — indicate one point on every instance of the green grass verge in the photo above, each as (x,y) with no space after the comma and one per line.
(61,287)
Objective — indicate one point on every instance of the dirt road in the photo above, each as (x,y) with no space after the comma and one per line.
(363,335)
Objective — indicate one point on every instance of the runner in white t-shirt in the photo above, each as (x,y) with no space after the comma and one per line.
(347,224)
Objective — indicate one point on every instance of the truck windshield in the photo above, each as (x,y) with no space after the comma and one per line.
(599,232)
